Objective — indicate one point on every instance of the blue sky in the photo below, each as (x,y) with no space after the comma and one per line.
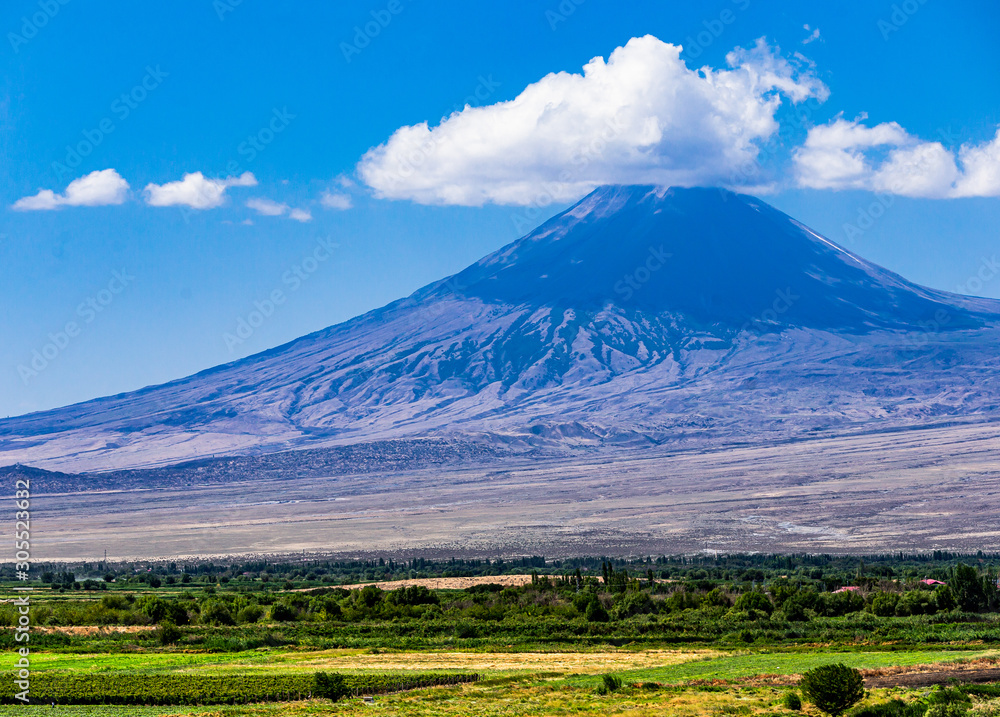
(879,130)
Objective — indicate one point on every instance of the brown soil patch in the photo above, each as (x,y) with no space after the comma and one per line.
(88,630)
(984,669)
(442,583)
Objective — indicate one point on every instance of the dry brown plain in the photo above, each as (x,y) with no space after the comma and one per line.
(917,489)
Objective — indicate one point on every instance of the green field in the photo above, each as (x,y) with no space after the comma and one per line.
(717,636)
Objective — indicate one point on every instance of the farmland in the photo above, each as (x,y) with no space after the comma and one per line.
(689,636)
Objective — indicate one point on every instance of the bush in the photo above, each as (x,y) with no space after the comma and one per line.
(168,633)
(792,701)
(953,710)
(330,685)
(948,696)
(609,683)
(894,708)
(251,613)
(833,688)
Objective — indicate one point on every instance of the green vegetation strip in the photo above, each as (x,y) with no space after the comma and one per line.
(146,689)
(737,667)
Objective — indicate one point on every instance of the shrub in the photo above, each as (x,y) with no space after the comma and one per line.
(330,685)
(609,683)
(833,688)
(953,710)
(948,696)
(792,701)
(168,633)
(893,708)
(251,613)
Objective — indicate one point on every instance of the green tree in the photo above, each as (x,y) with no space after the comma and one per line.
(944,598)
(754,601)
(833,688)
(595,611)
(969,589)
(884,604)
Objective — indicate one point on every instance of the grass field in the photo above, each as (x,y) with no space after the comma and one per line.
(348,661)
(535,683)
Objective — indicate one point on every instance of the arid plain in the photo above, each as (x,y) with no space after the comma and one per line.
(927,488)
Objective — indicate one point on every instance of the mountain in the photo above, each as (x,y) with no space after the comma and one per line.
(640,316)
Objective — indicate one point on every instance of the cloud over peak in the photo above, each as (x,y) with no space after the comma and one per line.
(642,116)
(96,189)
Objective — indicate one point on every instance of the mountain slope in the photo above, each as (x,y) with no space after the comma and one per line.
(639,315)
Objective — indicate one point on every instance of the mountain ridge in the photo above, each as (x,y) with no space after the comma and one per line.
(632,316)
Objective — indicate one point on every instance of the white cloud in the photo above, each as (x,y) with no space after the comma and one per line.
(813,36)
(641,117)
(336,200)
(267,207)
(271,208)
(93,190)
(196,191)
(980,169)
(886,158)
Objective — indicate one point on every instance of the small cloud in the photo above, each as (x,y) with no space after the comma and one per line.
(344,181)
(886,158)
(271,208)
(96,189)
(336,200)
(267,207)
(195,190)
(813,36)
(247,222)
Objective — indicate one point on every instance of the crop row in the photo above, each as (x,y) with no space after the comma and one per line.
(145,689)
